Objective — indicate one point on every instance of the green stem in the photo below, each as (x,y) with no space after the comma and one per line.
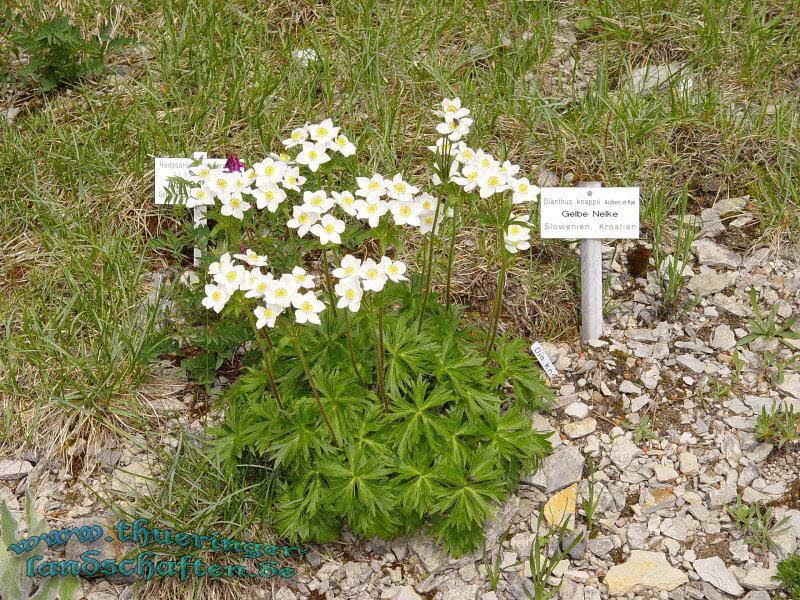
(430,267)
(265,358)
(347,334)
(302,355)
(498,301)
(379,358)
(450,260)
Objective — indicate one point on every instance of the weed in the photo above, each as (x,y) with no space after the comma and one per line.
(789,576)
(641,430)
(768,327)
(592,499)
(542,562)
(779,426)
(757,523)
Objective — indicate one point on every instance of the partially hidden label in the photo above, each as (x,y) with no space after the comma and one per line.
(547,365)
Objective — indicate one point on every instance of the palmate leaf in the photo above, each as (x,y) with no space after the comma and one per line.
(370,430)
(302,515)
(342,398)
(417,484)
(518,367)
(406,352)
(450,441)
(415,414)
(466,376)
(228,440)
(357,483)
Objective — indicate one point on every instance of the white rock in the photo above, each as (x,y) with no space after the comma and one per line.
(690,362)
(644,571)
(688,463)
(709,282)
(713,255)
(623,452)
(723,338)
(664,473)
(759,578)
(579,410)
(11,469)
(714,571)
(405,592)
(580,428)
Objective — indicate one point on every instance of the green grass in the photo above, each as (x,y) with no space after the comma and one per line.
(76,208)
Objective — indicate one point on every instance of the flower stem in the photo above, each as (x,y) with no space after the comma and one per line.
(347,334)
(450,261)
(302,356)
(265,358)
(379,358)
(498,301)
(427,288)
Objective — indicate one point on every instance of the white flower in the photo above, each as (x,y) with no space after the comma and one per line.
(523,191)
(394,269)
(349,292)
(464,154)
(349,267)
(342,145)
(297,137)
(307,308)
(426,222)
(492,181)
(292,180)
(345,200)
(189,278)
(317,201)
(252,258)
(469,178)
(234,206)
(268,195)
(302,279)
(371,210)
(399,189)
(304,56)
(371,187)
(328,230)
(269,171)
(426,202)
(508,169)
(372,276)
(517,235)
(231,277)
(282,291)
(216,267)
(216,297)
(201,172)
(455,129)
(302,219)
(266,315)
(258,284)
(515,246)
(313,155)
(323,132)
(200,196)
(221,183)
(406,213)
(452,109)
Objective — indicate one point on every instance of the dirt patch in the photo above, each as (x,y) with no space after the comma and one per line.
(790,499)
(706,546)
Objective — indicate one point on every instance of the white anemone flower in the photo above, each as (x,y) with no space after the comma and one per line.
(405,213)
(259,285)
(313,155)
(281,291)
(464,154)
(200,196)
(269,170)
(426,222)
(452,109)
(349,293)
(201,172)
(371,187)
(399,189)
(492,182)
(371,210)
(307,308)
(372,275)
(317,201)
(252,258)
(266,315)
(216,297)
(394,269)
(468,179)
(297,137)
(268,195)
(517,235)
(221,183)
(455,129)
(508,169)
(216,267)
(302,279)
(426,202)
(523,191)
(323,132)
(234,206)
(292,180)
(349,267)
(329,230)
(231,277)
(345,200)
(302,219)
(342,145)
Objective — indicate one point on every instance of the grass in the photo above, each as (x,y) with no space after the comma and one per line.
(546,81)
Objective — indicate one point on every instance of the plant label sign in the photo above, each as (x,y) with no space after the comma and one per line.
(547,365)
(590,213)
(166,167)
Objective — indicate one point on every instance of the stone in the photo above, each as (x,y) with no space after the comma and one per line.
(579,410)
(285,593)
(759,578)
(11,469)
(637,534)
(133,479)
(498,526)
(728,206)
(656,499)
(688,463)
(712,254)
(540,423)
(623,452)
(107,545)
(626,387)
(758,595)
(560,507)
(644,571)
(691,362)
(679,528)
(579,429)
(664,473)
(520,589)
(709,282)
(714,571)
(563,467)
(601,546)
(640,402)
(656,78)
(428,552)
(723,338)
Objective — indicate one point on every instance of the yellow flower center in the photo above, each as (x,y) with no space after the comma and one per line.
(231,276)
(348,270)
(306,306)
(371,208)
(522,187)
(492,180)
(203,172)
(261,287)
(235,203)
(372,273)
(373,185)
(299,278)
(280,293)
(349,294)
(472,176)
(322,131)
(302,219)
(312,155)
(514,230)
(341,140)
(269,170)
(269,195)
(426,204)
(296,135)
(399,188)
(216,296)
(328,228)
(393,269)
(268,313)
(347,200)
(316,200)
(221,183)
(291,179)
(405,211)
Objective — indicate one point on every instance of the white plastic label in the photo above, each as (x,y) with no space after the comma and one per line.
(596,213)
(547,365)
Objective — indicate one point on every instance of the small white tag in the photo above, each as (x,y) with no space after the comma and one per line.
(547,365)
(166,167)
